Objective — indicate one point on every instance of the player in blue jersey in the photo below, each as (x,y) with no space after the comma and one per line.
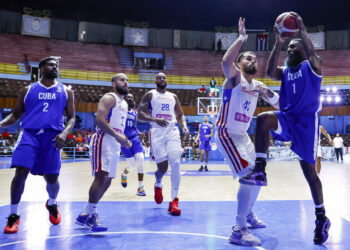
(297,120)
(41,106)
(134,155)
(205,132)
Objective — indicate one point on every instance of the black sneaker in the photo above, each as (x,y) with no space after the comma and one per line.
(321,231)
(55,216)
(12,224)
(206,168)
(201,168)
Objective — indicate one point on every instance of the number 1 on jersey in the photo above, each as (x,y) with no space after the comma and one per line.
(294,90)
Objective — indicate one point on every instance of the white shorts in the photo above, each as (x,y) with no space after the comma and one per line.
(165,141)
(238,150)
(319,151)
(104,154)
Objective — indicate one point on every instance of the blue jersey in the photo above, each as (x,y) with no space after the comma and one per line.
(205,130)
(300,90)
(44,107)
(130,128)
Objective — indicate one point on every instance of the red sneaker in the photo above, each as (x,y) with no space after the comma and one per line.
(174,207)
(158,196)
(12,224)
(55,216)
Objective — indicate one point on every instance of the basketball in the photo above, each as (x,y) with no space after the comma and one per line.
(286,25)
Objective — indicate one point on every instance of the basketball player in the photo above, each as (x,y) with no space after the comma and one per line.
(104,151)
(134,155)
(319,149)
(162,110)
(239,101)
(42,135)
(205,132)
(297,120)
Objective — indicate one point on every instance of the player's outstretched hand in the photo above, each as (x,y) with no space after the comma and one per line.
(162,122)
(60,140)
(260,88)
(298,20)
(241,27)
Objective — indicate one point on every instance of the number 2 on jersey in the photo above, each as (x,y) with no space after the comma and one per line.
(46,105)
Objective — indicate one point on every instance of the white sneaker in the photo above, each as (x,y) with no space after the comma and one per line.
(254,221)
(242,236)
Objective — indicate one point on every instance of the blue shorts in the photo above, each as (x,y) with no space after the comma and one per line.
(134,149)
(205,145)
(302,131)
(35,150)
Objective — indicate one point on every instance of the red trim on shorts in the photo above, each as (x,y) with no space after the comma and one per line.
(100,156)
(227,149)
(243,162)
(95,153)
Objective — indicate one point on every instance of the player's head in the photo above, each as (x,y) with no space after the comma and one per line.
(121,83)
(205,118)
(246,61)
(337,135)
(296,52)
(129,98)
(161,80)
(48,68)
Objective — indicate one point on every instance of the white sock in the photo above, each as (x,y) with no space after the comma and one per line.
(15,208)
(244,197)
(261,155)
(255,194)
(140,183)
(51,201)
(175,178)
(92,208)
(86,209)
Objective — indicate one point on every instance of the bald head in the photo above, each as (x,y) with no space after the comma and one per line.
(119,76)
(121,83)
(161,81)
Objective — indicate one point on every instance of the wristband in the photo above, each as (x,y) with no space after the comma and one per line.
(274,99)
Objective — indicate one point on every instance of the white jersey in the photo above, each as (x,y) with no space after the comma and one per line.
(238,106)
(117,115)
(163,106)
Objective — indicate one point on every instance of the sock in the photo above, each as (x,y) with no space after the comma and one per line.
(159,183)
(244,199)
(86,209)
(320,212)
(261,155)
(255,194)
(140,183)
(51,201)
(15,209)
(92,208)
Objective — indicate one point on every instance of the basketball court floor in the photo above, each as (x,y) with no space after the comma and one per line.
(208,203)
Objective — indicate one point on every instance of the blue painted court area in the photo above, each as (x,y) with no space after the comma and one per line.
(199,173)
(145,225)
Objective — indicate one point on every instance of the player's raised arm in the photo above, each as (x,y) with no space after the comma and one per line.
(228,61)
(273,70)
(180,117)
(268,95)
(313,58)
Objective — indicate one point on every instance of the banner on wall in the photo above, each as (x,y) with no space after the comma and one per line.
(36,26)
(135,36)
(177,39)
(224,40)
(318,40)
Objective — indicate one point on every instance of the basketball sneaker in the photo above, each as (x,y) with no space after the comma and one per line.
(321,231)
(258,176)
(174,207)
(201,168)
(254,221)
(81,219)
(158,195)
(12,224)
(94,223)
(124,180)
(242,236)
(141,191)
(206,168)
(55,216)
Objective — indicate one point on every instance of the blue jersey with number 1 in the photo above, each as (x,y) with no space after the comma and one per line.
(300,90)
(130,128)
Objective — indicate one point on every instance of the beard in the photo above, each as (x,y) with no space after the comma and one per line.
(161,86)
(249,70)
(121,90)
(51,74)
(294,59)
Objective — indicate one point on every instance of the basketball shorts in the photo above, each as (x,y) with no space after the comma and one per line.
(205,145)
(164,142)
(134,149)
(35,150)
(302,131)
(104,154)
(238,150)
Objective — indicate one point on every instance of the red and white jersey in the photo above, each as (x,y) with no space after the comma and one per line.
(163,106)
(238,106)
(117,115)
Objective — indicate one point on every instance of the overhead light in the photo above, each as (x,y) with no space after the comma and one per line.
(328,89)
(322,98)
(334,89)
(337,99)
(329,99)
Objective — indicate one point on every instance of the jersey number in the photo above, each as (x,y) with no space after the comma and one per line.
(46,105)
(129,123)
(294,90)
(165,107)
(246,105)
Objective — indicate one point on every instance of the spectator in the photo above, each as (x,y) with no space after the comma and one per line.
(6,135)
(219,45)
(212,83)
(338,146)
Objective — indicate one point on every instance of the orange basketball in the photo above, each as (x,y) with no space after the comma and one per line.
(286,25)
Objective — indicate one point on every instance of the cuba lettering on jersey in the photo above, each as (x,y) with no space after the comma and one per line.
(205,130)
(300,90)
(117,115)
(163,106)
(238,106)
(44,106)
(130,127)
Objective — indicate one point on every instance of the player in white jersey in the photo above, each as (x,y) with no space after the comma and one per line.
(319,149)
(240,96)
(105,148)
(162,110)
